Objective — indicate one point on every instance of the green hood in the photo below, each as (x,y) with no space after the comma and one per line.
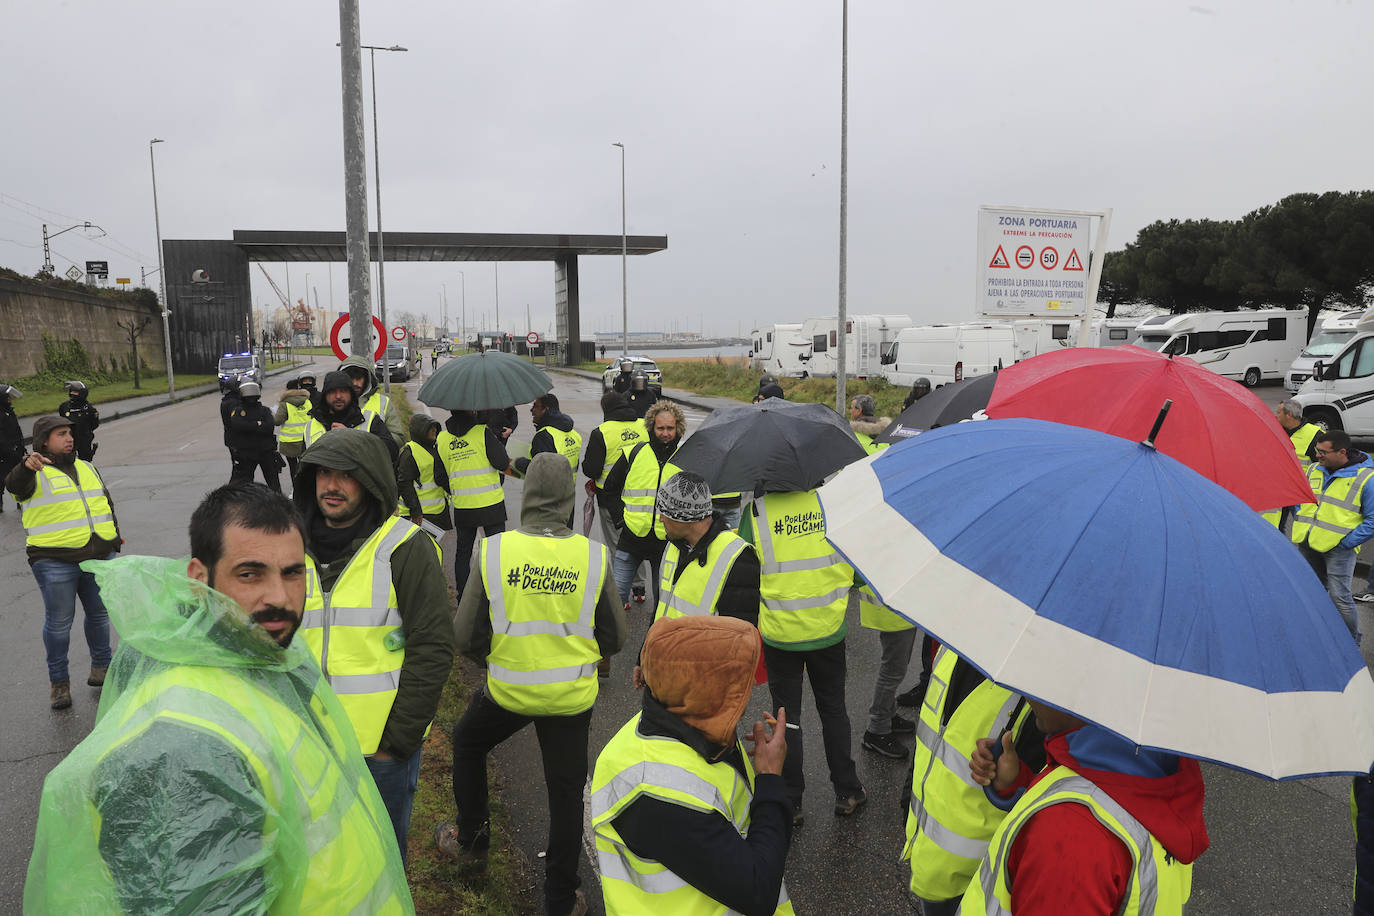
(419,425)
(168,616)
(359,453)
(366,365)
(548,499)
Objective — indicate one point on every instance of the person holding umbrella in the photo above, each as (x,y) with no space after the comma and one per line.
(474,459)
(1329,531)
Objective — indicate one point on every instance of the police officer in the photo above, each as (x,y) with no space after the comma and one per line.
(538,610)
(85,419)
(919,389)
(11,436)
(252,442)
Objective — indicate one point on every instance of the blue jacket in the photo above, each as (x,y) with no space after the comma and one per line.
(1366,528)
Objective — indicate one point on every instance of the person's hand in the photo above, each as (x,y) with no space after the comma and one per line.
(382,755)
(1000,773)
(415,519)
(637,678)
(338,426)
(770,748)
(35,462)
(506,431)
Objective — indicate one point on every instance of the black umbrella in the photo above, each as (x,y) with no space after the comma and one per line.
(943,406)
(778,444)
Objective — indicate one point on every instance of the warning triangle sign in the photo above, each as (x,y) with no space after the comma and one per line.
(1073,263)
(1000,259)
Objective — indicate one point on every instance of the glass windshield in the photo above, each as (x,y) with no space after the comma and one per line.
(1328,343)
(1151,341)
(396,352)
(236,362)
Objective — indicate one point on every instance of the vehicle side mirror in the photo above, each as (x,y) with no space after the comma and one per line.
(1318,371)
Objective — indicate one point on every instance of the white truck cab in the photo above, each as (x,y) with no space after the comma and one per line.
(1340,393)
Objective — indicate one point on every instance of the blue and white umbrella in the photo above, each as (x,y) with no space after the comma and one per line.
(1103,578)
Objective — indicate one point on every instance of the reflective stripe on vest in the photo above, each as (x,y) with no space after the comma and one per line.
(804,587)
(345,629)
(640,495)
(1159,884)
(306,776)
(698,589)
(472,482)
(1302,440)
(66,510)
(433,499)
(950,819)
(543,593)
(314,429)
(1337,512)
(568,443)
(376,405)
(877,616)
(297,419)
(634,766)
(619,436)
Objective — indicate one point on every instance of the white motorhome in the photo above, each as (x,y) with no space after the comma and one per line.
(1340,394)
(946,353)
(1331,337)
(1114,332)
(775,344)
(1041,335)
(1248,346)
(866,339)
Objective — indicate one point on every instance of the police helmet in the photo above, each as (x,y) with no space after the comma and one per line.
(250,390)
(76,387)
(10,392)
(307,380)
(767,380)
(922,384)
(639,381)
(626,364)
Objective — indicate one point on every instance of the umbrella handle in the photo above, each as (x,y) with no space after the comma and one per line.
(1159,421)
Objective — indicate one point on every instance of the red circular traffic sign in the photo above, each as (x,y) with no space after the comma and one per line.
(1049,258)
(1025,257)
(339,337)
(532,338)
(398,333)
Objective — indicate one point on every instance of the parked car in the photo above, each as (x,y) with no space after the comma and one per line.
(655,375)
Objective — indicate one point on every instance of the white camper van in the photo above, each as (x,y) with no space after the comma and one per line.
(1331,337)
(1038,335)
(1248,345)
(1340,394)
(946,353)
(1114,332)
(781,350)
(866,339)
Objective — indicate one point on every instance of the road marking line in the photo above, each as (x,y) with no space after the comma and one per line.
(192,442)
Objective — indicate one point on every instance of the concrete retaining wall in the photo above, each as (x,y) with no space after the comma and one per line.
(30,310)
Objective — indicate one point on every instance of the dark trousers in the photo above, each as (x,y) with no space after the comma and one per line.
(246,463)
(826,669)
(293,464)
(563,747)
(462,553)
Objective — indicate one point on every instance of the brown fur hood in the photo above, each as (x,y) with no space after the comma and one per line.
(870,426)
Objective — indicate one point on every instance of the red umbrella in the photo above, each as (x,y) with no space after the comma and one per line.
(1216,427)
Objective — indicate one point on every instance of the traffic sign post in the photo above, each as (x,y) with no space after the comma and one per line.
(339,338)
(1043,278)
(398,333)
(532,338)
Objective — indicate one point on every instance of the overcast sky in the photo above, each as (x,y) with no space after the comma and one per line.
(501,116)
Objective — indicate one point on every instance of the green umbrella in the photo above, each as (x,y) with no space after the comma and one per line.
(484,381)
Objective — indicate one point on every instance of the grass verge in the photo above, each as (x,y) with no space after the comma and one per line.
(46,400)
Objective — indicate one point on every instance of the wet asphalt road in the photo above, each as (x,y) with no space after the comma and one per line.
(1281,848)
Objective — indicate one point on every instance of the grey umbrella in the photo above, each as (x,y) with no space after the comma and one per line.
(484,381)
(776,444)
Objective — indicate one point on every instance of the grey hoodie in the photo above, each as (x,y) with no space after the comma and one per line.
(544,510)
(391,418)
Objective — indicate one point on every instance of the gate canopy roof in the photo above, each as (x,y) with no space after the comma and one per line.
(273,245)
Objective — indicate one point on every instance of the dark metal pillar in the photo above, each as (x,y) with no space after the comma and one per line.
(567,308)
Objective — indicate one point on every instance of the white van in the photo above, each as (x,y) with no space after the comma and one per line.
(769,346)
(1114,332)
(946,353)
(1331,337)
(866,339)
(1340,394)
(1248,346)
(1038,335)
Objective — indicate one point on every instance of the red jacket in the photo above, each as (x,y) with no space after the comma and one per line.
(1064,861)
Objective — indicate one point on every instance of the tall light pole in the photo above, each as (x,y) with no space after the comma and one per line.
(377,177)
(624,264)
(841,402)
(162,281)
(463,332)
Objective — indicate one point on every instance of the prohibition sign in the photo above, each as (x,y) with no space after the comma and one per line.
(1025,257)
(340,337)
(398,333)
(1049,258)
(532,338)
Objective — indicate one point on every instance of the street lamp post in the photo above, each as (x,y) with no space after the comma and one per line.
(624,264)
(377,176)
(463,328)
(162,281)
(841,397)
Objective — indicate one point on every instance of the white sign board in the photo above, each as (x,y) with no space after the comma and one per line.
(74,273)
(1033,263)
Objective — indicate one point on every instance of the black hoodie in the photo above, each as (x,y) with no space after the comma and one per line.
(352,417)
(649,545)
(594,457)
(543,440)
(458,424)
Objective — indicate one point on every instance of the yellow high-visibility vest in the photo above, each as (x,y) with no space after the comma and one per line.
(640,495)
(297,419)
(433,498)
(619,435)
(633,766)
(376,405)
(950,820)
(568,443)
(1160,884)
(543,593)
(1302,440)
(1337,511)
(804,587)
(66,510)
(472,482)
(699,587)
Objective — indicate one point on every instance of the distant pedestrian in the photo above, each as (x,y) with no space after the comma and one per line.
(1329,531)
(433,359)
(603,351)
(69,517)
(11,436)
(252,439)
(85,419)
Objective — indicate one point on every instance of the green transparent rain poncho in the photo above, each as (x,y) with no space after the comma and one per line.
(222,776)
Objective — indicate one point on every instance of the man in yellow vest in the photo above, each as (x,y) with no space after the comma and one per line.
(804,593)
(338,409)
(553,432)
(293,416)
(538,611)
(632,490)
(476,461)
(707,568)
(1329,531)
(1303,436)
(683,822)
(371,400)
(222,774)
(866,426)
(377,612)
(69,516)
(1105,827)
(421,476)
(620,429)
(949,818)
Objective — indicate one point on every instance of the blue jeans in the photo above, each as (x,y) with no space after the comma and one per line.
(896,657)
(60,584)
(1335,568)
(624,565)
(396,782)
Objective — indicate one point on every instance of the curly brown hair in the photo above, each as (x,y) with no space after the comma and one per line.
(658,408)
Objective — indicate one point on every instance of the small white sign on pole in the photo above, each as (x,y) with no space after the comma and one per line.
(1034,263)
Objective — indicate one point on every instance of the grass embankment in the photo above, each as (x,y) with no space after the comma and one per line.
(437,883)
(45,398)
